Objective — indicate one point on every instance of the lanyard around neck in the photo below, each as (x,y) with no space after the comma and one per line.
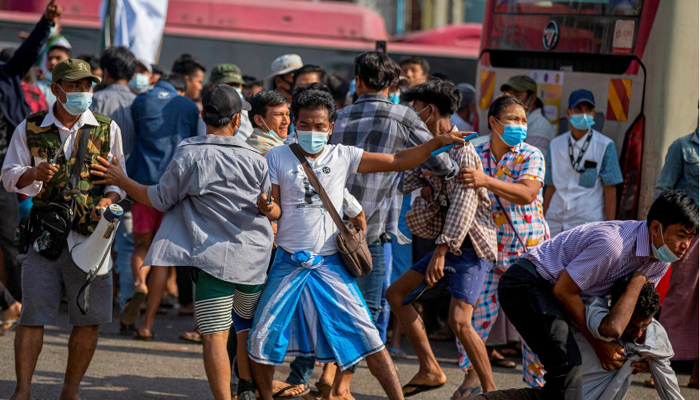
(577,164)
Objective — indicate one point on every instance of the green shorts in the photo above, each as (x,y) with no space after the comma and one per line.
(218,304)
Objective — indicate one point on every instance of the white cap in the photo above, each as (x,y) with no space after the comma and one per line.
(285,64)
(145,65)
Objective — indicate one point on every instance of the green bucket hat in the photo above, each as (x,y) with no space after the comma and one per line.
(520,83)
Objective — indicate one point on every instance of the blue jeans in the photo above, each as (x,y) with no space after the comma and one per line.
(124,242)
(372,285)
(301,370)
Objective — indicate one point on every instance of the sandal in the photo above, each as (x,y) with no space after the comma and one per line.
(394,353)
(132,308)
(279,396)
(138,336)
(12,325)
(192,336)
(420,388)
(473,392)
(502,362)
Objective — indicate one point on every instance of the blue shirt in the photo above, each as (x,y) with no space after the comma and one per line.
(597,254)
(162,119)
(680,170)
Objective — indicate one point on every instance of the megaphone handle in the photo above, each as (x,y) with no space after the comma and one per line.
(91,277)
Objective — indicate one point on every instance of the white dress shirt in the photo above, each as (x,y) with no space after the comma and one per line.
(19,158)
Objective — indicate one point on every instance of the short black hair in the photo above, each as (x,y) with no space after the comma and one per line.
(175,79)
(251,81)
(188,65)
(309,69)
(377,70)
(119,62)
(500,104)
(313,97)
(338,86)
(673,207)
(262,100)
(424,64)
(648,302)
(60,48)
(92,60)
(442,94)
(157,69)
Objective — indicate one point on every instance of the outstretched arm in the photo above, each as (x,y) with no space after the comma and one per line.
(409,158)
(113,174)
(28,53)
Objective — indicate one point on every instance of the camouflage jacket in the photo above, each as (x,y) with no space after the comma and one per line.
(45,142)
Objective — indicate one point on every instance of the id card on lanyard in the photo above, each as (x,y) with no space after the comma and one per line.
(506,212)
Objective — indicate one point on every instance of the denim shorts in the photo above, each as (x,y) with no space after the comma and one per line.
(468,279)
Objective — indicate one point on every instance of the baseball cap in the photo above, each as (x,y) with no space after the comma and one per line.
(579,96)
(468,94)
(520,83)
(226,73)
(285,64)
(222,101)
(72,70)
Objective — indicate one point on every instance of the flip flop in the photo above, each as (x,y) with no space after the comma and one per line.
(12,327)
(278,394)
(397,353)
(503,363)
(138,336)
(473,392)
(324,388)
(132,308)
(193,337)
(420,388)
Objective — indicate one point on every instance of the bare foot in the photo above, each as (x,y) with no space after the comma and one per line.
(293,391)
(341,397)
(471,380)
(313,395)
(428,379)
(21,396)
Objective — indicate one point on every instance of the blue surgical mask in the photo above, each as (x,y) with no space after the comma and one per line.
(272,133)
(312,141)
(513,134)
(240,92)
(395,97)
(76,102)
(139,83)
(48,76)
(664,253)
(582,121)
(418,113)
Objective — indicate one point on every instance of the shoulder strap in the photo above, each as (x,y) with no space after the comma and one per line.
(510,222)
(79,158)
(317,186)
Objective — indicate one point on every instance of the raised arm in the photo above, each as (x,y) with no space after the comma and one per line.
(113,174)
(28,53)
(409,158)
(613,326)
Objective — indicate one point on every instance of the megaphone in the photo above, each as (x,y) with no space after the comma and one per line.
(93,255)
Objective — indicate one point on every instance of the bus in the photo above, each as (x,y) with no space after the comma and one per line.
(638,57)
(252,34)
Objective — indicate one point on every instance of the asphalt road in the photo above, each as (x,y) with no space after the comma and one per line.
(168,368)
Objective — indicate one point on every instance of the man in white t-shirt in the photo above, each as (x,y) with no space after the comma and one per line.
(311,305)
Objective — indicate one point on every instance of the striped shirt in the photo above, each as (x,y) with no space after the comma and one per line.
(597,254)
(375,124)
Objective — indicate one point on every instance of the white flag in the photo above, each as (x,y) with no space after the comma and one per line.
(138,25)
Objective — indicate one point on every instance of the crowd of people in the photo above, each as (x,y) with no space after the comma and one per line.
(239,193)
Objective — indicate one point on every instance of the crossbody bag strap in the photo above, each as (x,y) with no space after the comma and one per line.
(505,212)
(79,158)
(317,186)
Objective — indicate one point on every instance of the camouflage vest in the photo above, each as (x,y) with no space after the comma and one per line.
(44,143)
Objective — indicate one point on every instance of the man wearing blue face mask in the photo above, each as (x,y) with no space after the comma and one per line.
(543,292)
(582,171)
(43,152)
